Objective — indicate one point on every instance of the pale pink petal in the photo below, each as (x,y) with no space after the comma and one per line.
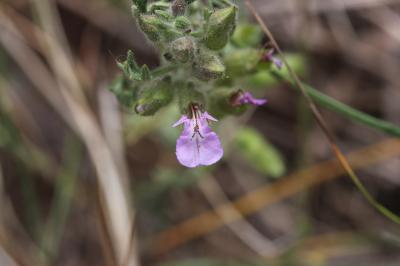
(211,149)
(277,62)
(181,120)
(209,117)
(247,97)
(198,144)
(269,56)
(187,151)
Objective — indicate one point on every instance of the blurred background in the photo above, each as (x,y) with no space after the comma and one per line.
(84,182)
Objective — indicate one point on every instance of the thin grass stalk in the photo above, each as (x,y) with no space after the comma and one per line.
(323,125)
(343,109)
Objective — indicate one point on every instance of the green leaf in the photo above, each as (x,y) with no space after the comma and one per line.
(130,68)
(259,153)
(132,71)
(146,74)
(125,92)
(130,59)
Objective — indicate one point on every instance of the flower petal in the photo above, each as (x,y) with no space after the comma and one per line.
(269,56)
(209,117)
(211,149)
(187,151)
(258,101)
(181,120)
(247,97)
(277,62)
(195,150)
(198,144)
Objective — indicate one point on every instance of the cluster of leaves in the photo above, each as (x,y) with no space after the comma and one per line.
(205,57)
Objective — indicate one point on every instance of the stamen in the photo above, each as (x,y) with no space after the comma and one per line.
(196,130)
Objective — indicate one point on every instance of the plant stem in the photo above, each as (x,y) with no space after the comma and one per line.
(343,109)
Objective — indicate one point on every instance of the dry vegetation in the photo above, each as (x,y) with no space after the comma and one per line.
(84,182)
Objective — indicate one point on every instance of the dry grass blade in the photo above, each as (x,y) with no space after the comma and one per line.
(69,103)
(321,122)
(112,125)
(386,19)
(115,202)
(248,234)
(269,194)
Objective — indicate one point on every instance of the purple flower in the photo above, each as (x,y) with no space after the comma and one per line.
(241,98)
(198,144)
(269,56)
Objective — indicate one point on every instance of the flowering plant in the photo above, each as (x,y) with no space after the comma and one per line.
(205,57)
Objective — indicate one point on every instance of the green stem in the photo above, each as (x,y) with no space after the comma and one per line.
(385,211)
(343,109)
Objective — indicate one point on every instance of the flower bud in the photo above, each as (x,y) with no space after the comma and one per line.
(178,7)
(154,96)
(207,67)
(182,49)
(220,103)
(157,28)
(150,25)
(220,27)
(182,23)
(240,62)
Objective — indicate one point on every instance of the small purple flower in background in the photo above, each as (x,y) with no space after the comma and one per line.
(198,144)
(240,98)
(269,56)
